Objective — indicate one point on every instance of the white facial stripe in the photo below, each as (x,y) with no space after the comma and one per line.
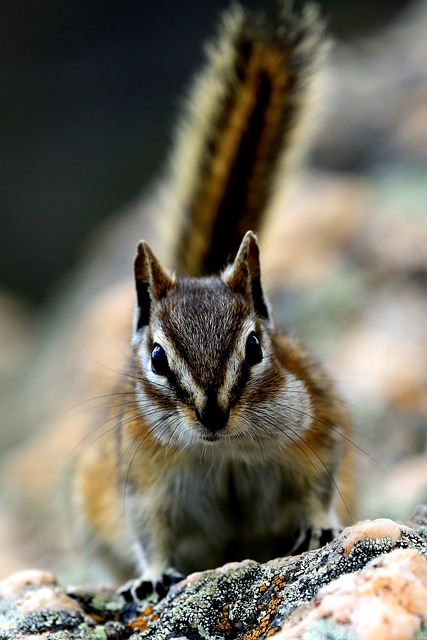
(283,418)
(237,357)
(177,365)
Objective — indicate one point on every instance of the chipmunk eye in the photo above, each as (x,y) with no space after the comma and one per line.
(253,350)
(159,361)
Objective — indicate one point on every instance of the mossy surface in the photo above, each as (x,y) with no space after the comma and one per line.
(246,601)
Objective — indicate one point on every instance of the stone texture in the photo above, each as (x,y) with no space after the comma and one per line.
(387,600)
(369,583)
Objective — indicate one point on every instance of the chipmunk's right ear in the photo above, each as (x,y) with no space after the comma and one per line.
(152,283)
(244,275)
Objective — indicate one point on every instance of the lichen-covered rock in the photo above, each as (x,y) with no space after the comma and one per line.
(386,600)
(369,583)
(33,604)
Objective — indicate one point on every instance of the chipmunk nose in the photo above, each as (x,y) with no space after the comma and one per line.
(212,416)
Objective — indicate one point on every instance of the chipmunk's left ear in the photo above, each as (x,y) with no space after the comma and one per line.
(244,275)
(152,283)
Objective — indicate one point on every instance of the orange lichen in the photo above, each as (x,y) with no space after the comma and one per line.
(225,624)
(269,609)
(141,623)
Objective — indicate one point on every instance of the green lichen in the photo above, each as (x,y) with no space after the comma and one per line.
(249,602)
(417,541)
(103,601)
(323,630)
(217,607)
(43,621)
(64,635)
(422,532)
(229,605)
(97,633)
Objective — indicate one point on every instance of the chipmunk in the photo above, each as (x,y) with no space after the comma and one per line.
(227,440)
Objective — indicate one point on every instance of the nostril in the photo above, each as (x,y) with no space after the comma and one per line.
(213,419)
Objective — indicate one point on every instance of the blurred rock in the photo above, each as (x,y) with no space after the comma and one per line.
(375,97)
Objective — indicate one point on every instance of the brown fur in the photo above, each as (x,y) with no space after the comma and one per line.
(173,481)
(243,125)
(229,441)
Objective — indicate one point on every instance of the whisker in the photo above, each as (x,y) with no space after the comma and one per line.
(329,426)
(317,456)
(105,396)
(99,426)
(320,394)
(124,374)
(136,443)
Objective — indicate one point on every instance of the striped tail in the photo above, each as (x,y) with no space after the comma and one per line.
(241,124)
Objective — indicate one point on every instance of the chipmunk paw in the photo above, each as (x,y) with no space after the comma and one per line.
(314,538)
(320,537)
(138,589)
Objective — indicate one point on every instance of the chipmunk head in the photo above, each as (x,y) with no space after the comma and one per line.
(203,347)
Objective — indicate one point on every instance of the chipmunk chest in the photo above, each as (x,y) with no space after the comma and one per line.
(234,513)
(230,500)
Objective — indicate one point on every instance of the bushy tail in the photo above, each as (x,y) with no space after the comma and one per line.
(241,123)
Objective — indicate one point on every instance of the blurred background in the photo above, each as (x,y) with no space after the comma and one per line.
(89,93)
(89,96)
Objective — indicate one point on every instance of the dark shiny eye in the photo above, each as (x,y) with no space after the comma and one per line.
(253,350)
(159,361)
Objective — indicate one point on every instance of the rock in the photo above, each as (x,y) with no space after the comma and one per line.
(387,600)
(371,582)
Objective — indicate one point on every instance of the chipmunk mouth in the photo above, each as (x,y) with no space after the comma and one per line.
(212,437)
(207,435)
